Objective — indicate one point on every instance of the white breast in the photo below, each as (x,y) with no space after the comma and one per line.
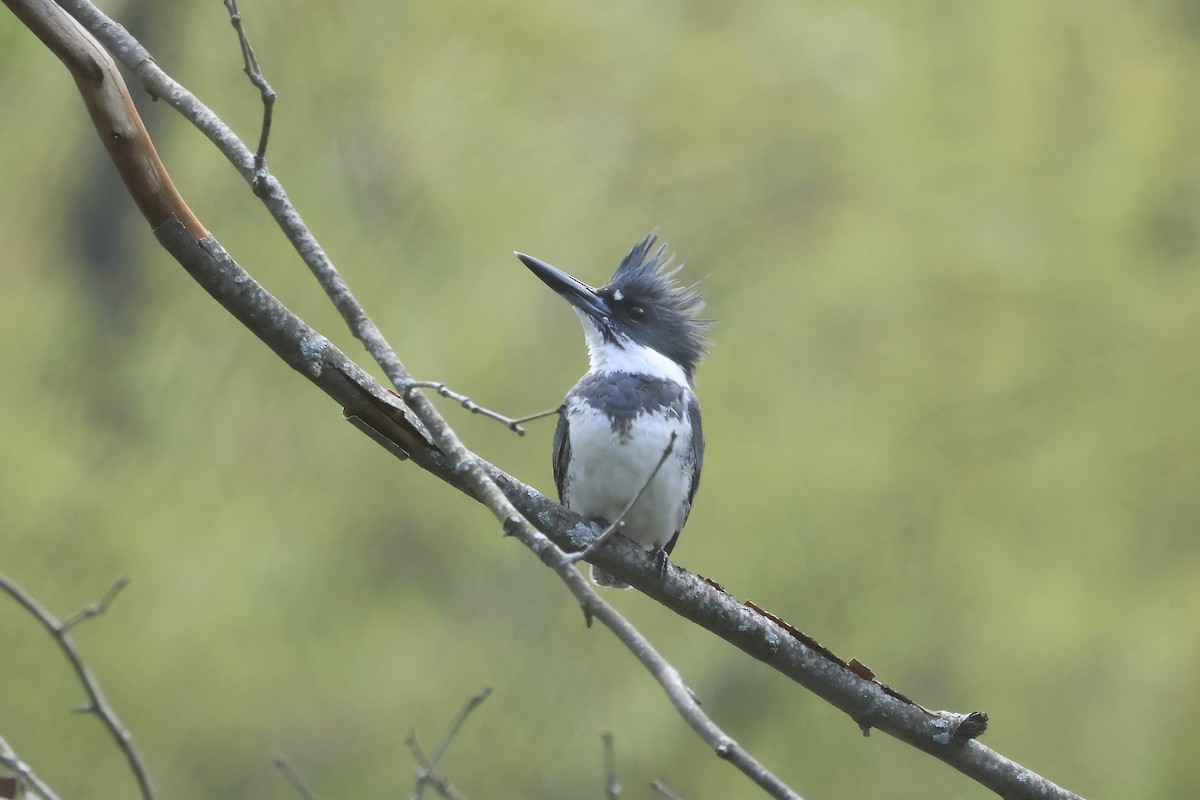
(606,471)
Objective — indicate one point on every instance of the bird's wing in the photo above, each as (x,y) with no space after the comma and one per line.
(697,448)
(693,410)
(561,455)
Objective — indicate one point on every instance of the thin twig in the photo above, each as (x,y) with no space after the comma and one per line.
(664,790)
(512,423)
(612,788)
(25,774)
(96,702)
(554,412)
(427,774)
(293,778)
(472,703)
(619,522)
(97,608)
(268,96)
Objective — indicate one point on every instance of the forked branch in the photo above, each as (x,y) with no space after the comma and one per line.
(254,73)
(427,773)
(97,704)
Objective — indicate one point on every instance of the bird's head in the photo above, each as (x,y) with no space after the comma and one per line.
(641,306)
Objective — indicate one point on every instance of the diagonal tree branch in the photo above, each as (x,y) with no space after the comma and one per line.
(266,317)
(420,433)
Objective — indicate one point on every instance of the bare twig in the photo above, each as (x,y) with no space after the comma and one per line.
(426,772)
(553,412)
(255,75)
(293,778)
(97,608)
(472,703)
(619,522)
(96,701)
(434,447)
(512,423)
(35,787)
(612,788)
(664,790)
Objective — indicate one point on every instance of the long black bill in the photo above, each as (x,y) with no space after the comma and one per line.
(577,293)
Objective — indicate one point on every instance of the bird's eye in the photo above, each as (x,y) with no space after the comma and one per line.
(637,312)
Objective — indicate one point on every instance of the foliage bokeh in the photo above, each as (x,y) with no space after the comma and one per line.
(951,409)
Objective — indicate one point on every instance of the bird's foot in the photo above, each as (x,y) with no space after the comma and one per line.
(660,563)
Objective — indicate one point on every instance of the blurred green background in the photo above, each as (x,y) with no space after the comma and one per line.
(951,409)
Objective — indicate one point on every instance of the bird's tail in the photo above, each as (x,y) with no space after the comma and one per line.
(602,578)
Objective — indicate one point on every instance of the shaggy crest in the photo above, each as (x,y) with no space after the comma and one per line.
(654,309)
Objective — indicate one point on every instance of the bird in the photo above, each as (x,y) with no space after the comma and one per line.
(629,446)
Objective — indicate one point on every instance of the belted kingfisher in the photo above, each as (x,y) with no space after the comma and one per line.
(635,410)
